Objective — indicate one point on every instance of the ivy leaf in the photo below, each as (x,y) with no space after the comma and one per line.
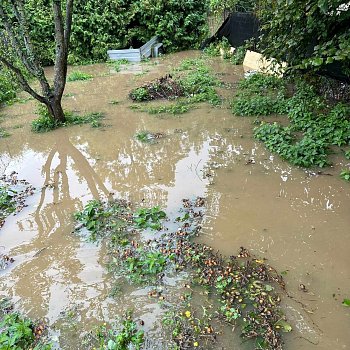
(346,302)
(317,61)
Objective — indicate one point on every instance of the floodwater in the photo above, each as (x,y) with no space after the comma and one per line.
(299,221)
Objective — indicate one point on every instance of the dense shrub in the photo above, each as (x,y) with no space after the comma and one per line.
(307,34)
(99,25)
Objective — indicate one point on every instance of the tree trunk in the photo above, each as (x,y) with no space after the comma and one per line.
(55,109)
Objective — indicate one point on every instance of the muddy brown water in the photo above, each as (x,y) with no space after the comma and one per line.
(298,220)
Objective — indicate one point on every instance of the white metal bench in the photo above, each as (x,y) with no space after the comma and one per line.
(151,48)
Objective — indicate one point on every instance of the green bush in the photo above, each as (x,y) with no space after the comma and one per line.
(306,34)
(99,25)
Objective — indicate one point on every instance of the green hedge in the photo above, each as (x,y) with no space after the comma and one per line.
(100,25)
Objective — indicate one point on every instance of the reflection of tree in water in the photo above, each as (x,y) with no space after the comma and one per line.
(42,282)
(60,210)
(139,171)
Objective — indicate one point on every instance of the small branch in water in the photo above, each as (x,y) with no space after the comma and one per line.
(39,252)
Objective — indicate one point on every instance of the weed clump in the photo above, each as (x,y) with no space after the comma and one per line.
(223,48)
(345,174)
(45,123)
(149,137)
(124,335)
(116,64)
(78,76)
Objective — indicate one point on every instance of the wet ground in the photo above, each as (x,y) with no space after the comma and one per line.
(298,220)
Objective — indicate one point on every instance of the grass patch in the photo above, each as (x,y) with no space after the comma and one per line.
(180,107)
(116,64)
(45,122)
(78,76)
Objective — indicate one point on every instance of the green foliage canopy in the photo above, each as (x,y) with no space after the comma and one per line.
(99,25)
(307,34)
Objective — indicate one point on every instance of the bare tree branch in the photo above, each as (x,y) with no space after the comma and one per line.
(22,80)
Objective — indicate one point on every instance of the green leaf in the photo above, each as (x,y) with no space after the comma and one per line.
(284,326)
(346,302)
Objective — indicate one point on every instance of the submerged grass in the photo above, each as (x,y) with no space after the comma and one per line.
(78,76)
(45,122)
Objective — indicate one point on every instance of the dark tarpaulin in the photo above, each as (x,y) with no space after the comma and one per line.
(237,28)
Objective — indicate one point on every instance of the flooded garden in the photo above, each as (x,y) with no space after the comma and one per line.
(217,242)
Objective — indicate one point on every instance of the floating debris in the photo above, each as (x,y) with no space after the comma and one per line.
(245,287)
(163,88)
(13,194)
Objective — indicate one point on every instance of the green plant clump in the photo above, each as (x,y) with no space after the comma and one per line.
(116,64)
(314,126)
(103,220)
(199,83)
(140,94)
(306,152)
(180,107)
(78,76)
(18,332)
(125,338)
(149,218)
(45,122)
(258,105)
(223,48)
(4,133)
(7,204)
(345,174)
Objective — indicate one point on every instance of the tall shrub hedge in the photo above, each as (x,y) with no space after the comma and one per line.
(100,25)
